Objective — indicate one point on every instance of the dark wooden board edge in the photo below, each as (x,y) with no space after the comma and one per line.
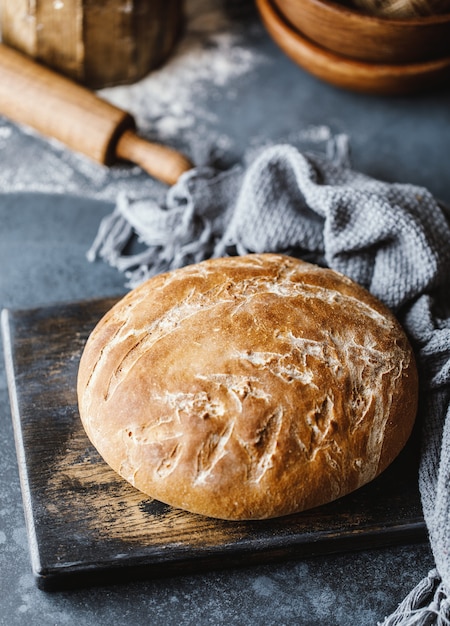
(19,444)
(183,561)
(99,574)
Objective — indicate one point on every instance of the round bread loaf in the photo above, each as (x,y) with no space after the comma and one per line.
(248,387)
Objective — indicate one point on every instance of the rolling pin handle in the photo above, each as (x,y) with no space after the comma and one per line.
(164,163)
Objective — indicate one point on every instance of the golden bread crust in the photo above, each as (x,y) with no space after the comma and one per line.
(248,387)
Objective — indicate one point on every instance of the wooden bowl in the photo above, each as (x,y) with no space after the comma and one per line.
(99,44)
(351,33)
(385,79)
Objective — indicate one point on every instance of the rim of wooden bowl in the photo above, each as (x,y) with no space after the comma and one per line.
(351,33)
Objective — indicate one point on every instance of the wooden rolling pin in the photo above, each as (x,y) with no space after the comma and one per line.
(56,107)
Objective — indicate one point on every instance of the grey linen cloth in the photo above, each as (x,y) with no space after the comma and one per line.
(394,239)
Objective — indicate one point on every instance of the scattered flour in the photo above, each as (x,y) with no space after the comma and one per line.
(210,54)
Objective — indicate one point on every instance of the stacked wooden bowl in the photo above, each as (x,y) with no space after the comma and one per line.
(351,49)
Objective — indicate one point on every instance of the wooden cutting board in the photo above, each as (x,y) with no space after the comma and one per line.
(88,526)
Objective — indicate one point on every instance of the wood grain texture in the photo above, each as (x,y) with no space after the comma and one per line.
(348,73)
(358,36)
(99,44)
(122,42)
(88,526)
(400,9)
(18,24)
(56,107)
